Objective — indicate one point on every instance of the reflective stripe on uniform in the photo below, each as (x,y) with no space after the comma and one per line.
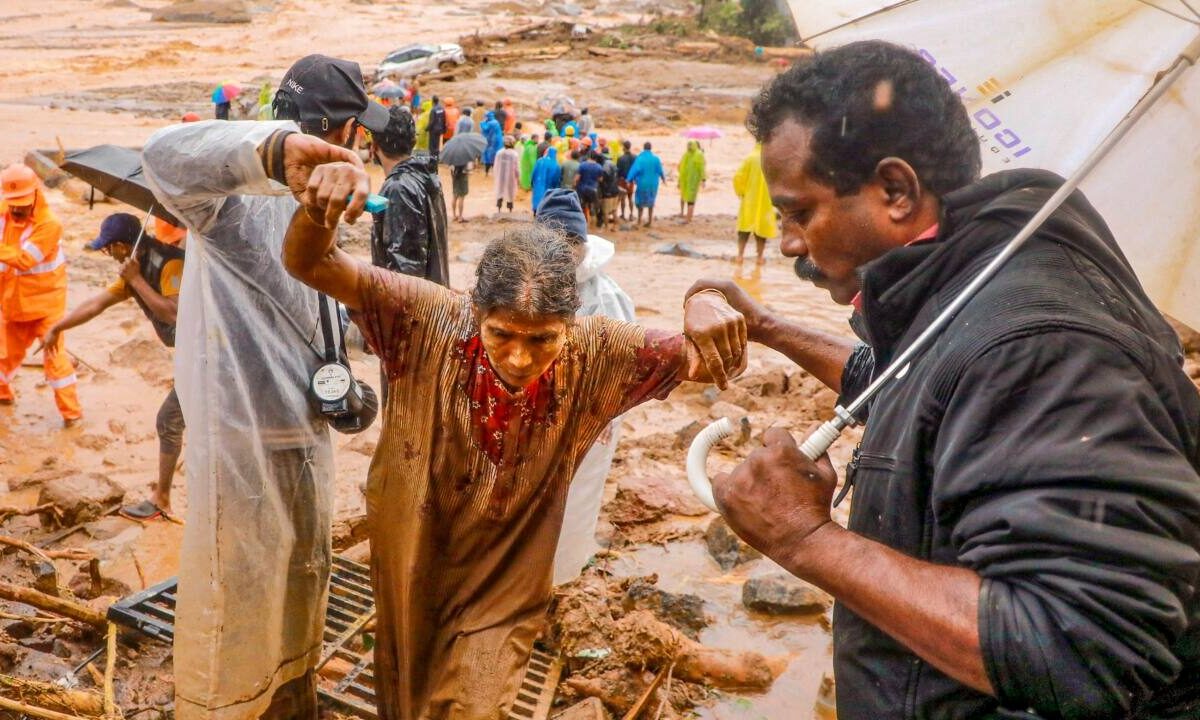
(62,382)
(33,250)
(59,260)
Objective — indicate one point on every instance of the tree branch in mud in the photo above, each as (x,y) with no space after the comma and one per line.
(59,606)
(42,699)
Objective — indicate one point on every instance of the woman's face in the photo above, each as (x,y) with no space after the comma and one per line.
(521,347)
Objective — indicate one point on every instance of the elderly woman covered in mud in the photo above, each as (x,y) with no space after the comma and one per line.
(494,399)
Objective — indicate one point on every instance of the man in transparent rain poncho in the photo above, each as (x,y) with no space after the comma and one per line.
(256,550)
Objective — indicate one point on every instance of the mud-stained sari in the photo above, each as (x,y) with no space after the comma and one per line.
(467,488)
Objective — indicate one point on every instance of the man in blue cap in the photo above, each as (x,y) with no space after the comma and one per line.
(598,295)
(152,279)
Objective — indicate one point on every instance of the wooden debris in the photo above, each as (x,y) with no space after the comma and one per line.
(43,699)
(505,35)
(547,52)
(110,665)
(49,603)
(699,47)
(348,532)
(790,53)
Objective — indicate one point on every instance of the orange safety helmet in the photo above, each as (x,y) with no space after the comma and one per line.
(19,183)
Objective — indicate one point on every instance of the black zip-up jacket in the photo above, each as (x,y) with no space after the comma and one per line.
(1048,441)
(410,235)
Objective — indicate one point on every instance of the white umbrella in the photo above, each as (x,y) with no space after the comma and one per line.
(1044,82)
(1100,91)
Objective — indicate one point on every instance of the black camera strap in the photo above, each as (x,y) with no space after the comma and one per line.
(331,346)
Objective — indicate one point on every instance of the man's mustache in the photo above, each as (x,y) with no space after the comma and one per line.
(806,270)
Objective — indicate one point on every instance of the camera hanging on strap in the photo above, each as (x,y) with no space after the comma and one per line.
(346,404)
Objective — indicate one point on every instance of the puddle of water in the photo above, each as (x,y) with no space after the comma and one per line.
(687,568)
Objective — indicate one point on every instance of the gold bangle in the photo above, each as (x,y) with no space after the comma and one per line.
(706,290)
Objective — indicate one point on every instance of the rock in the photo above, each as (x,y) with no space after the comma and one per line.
(686,434)
(79,498)
(45,578)
(768,383)
(107,528)
(589,709)
(722,409)
(783,595)
(683,611)
(41,643)
(679,249)
(33,663)
(18,629)
(566,10)
(203,11)
(727,548)
(740,396)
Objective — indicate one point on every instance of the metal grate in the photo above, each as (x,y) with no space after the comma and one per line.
(351,607)
(537,687)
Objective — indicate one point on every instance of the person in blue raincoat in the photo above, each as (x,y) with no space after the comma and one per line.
(547,175)
(494,134)
(645,174)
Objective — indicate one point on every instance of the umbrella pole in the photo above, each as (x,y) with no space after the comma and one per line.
(818,443)
(141,233)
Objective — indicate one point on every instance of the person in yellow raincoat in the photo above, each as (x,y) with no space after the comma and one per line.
(33,288)
(692,174)
(422,143)
(756,215)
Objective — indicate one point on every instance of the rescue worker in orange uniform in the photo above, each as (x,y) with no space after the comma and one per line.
(33,287)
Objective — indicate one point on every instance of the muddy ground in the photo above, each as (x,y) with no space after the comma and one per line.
(80,73)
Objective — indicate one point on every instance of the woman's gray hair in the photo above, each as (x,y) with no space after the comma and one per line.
(529,270)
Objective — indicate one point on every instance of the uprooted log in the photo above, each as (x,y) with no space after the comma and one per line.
(546,52)
(657,645)
(58,606)
(478,38)
(33,696)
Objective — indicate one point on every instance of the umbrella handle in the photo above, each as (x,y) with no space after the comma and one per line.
(813,447)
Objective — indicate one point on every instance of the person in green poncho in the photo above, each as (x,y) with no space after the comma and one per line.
(692,174)
(528,160)
(423,128)
(264,102)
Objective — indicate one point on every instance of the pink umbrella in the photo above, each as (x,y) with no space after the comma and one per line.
(702,132)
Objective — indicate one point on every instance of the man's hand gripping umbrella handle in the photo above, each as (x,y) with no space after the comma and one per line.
(814,447)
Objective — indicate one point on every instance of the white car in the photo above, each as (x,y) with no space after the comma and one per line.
(418,59)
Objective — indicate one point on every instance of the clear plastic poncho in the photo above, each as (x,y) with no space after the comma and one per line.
(254,565)
(599,295)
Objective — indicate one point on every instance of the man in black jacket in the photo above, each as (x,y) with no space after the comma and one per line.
(1024,538)
(410,235)
(436,127)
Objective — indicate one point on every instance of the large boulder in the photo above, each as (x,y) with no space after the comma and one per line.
(79,498)
(783,595)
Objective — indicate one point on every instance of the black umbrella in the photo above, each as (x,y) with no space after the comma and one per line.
(117,172)
(462,149)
